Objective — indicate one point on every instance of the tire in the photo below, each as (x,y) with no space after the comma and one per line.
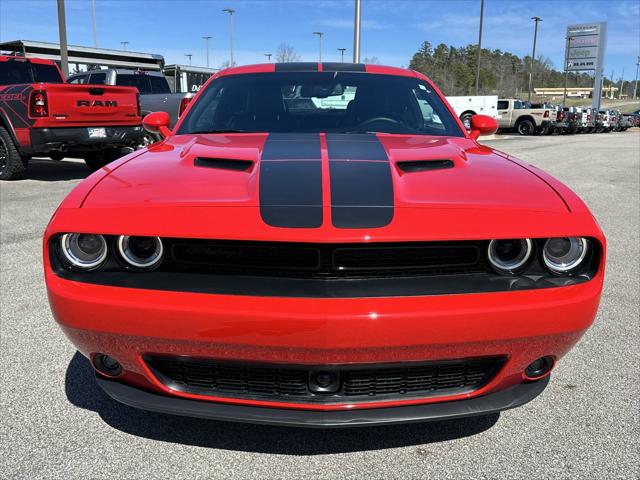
(97,160)
(57,156)
(526,127)
(465,118)
(12,165)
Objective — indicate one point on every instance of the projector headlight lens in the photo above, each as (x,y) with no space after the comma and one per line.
(140,252)
(83,251)
(508,256)
(561,255)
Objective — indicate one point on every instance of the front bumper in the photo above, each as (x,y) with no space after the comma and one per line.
(508,398)
(128,323)
(76,139)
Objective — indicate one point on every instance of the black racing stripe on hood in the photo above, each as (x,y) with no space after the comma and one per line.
(291,181)
(361,181)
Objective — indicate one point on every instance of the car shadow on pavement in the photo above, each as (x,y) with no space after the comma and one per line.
(82,391)
(46,170)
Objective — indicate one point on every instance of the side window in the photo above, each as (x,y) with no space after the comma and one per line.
(503,105)
(159,84)
(98,78)
(78,79)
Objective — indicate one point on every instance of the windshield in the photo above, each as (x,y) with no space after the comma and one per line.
(340,102)
(14,72)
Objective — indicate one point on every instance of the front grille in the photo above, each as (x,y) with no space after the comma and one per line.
(291,383)
(325,261)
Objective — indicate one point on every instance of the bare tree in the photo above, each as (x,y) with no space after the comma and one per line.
(372,60)
(227,64)
(286,54)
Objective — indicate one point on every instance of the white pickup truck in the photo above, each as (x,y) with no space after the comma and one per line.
(466,107)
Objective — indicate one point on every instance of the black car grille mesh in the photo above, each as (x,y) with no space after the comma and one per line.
(325,261)
(291,383)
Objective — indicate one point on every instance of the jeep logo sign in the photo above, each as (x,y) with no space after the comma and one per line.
(97,103)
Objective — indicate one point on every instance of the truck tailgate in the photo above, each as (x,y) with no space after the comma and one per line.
(95,105)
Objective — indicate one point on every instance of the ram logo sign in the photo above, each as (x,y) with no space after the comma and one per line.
(584,50)
(97,103)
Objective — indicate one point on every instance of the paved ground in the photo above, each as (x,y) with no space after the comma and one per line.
(55,423)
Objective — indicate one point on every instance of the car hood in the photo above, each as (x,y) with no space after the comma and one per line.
(224,169)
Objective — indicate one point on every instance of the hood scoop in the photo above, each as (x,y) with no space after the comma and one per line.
(411,166)
(223,163)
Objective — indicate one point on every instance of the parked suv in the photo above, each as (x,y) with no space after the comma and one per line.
(42,115)
(155,93)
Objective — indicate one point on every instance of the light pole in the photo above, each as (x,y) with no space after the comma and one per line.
(356,32)
(230,11)
(635,89)
(62,32)
(95,31)
(342,50)
(533,54)
(319,34)
(611,85)
(206,44)
(566,71)
(479,47)
(124,45)
(189,55)
(268,55)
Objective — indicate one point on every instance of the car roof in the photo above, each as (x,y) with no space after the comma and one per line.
(43,61)
(319,67)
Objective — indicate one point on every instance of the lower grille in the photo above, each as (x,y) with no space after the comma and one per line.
(360,383)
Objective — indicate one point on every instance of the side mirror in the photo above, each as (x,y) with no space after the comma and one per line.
(483,125)
(157,123)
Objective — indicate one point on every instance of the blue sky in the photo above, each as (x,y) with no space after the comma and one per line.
(392,30)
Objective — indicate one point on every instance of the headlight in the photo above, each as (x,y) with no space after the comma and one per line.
(140,252)
(507,256)
(83,251)
(561,255)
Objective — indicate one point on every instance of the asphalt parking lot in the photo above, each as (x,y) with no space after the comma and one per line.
(56,423)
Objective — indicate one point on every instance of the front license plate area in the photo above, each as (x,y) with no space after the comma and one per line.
(97,132)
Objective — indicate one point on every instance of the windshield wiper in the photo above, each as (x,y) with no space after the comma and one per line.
(218,131)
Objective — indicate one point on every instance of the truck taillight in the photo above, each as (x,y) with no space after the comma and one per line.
(38,104)
(546,114)
(560,116)
(183,105)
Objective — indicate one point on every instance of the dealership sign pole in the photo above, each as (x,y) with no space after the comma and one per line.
(585,51)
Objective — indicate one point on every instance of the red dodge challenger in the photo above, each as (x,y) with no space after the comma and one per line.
(322,245)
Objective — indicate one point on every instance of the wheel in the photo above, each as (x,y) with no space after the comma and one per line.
(150,138)
(12,165)
(57,156)
(465,118)
(97,160)
(526,127)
